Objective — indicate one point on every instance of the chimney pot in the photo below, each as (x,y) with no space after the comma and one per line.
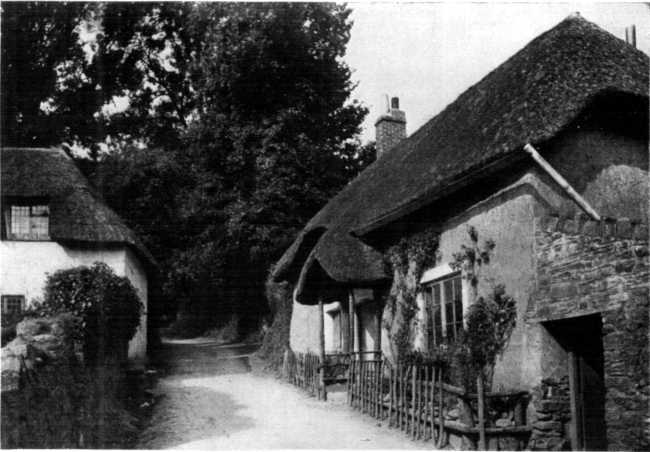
(394,103)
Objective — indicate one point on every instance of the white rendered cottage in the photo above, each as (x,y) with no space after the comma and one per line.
(53,220)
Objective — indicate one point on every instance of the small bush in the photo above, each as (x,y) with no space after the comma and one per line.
(490,322)
(108,306)
(227,333)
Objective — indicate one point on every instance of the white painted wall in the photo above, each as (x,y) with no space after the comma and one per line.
(332,330)
(24,267)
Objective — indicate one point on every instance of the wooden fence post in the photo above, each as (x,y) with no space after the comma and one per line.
(482,444)
(441,418)
(413,376)
(321,344)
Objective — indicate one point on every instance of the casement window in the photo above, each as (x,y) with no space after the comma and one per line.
(26,221)
(12,305)
(444,304)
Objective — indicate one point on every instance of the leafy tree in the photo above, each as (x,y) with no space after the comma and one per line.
(37,40)
(235,128)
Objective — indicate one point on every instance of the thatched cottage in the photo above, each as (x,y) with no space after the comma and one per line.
(546,156)
(52,220)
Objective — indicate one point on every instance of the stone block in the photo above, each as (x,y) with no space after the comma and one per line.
(641,232)
(624,266)
(504,422)
(624,228)
(29,327)
(543,416)
(547,426)
(550,405)
(569,226)
(564,290)
(550,223)
(590,228)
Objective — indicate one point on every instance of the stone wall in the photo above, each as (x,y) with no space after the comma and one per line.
(550,400)
(587,267)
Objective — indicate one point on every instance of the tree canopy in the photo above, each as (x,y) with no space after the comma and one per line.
(224,126)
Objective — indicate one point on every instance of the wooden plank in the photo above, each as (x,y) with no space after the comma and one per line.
(399,397)
(426,402)
(441,431)
(418,406)
(482,443)
(321,349)
(575,434)
(380,366)
(413,407)
(390,397)
(375,391)
(379,390)
(362,381)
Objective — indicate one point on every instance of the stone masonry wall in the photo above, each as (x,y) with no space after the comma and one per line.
(550,401)
(587,267)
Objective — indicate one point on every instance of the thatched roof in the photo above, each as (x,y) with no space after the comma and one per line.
(77,213)
(533,96)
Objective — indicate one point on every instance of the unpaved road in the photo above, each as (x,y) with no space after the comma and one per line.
(211,400)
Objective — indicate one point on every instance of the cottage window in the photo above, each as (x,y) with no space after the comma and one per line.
(27,222)
(12,305)
(444,304)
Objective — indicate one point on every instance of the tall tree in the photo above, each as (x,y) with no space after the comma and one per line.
(228,125)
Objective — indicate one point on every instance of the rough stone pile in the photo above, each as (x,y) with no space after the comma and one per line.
(38,341)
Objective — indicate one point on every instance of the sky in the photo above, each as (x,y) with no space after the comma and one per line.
(429,53)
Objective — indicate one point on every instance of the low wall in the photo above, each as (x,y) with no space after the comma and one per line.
(588,267)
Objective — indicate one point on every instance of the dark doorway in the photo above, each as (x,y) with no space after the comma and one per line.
(581,337)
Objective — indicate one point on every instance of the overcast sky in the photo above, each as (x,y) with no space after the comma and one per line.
(428,53)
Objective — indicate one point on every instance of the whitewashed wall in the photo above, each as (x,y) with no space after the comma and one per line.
(24,267)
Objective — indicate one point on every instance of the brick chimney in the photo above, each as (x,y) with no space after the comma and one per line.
(390,128)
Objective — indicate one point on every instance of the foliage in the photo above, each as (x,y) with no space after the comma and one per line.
(276,339)
(490,322)
(107,305)
(224,127)
(59,407)
(472,258)
(407,260)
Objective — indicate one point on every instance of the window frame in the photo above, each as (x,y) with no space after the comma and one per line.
(4,299)
(32,203)
(444,336)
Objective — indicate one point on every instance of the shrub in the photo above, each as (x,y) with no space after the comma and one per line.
(276,339)
(65,405)
(490,322)
(108,306)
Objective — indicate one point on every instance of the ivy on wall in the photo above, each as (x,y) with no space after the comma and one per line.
(490,319)
(407,260)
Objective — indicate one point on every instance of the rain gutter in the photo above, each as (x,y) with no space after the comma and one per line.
(561,181)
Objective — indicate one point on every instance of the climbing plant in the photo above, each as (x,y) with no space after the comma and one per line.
(407,260)
(490,319)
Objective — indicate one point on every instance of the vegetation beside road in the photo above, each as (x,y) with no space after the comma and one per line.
(216,130)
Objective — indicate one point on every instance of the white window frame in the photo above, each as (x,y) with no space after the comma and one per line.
(5,299)
(10,208)
(437,276)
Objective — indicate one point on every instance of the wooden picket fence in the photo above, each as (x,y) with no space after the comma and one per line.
(303,370)
(415,399)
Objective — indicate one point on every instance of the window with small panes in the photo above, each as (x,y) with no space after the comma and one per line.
(444,304)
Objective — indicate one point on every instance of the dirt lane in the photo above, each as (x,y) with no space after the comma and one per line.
(210,400)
